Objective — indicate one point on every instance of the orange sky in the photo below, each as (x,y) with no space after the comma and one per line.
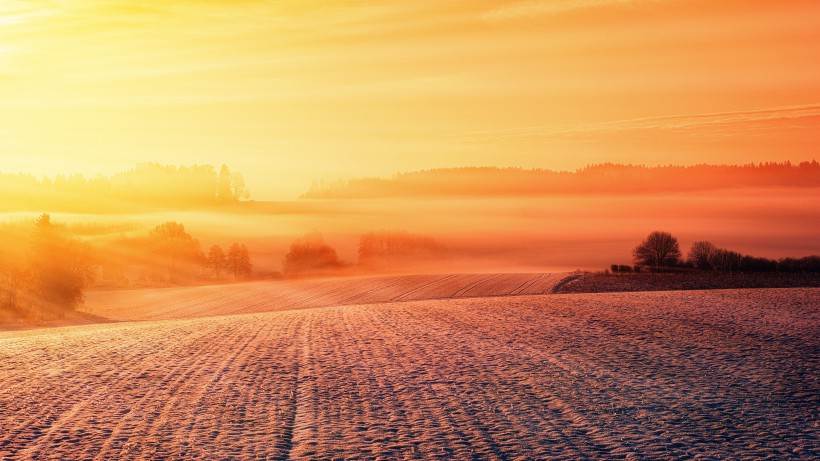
(294,90)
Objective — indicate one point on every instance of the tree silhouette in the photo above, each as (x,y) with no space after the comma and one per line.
(238,188)
(310,254)
(223,191)
(217,260)
(386,249)
(153,183)
(725,260)
(659,249)
(757,264)
(15,286)
(700,255)
(174,248)
(239,261)
(600,178)
(62,267)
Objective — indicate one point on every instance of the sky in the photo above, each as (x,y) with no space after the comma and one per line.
(290,91)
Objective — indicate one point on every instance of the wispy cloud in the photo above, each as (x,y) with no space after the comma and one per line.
(730,121)
(532,8)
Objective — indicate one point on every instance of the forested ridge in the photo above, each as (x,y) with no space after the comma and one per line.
(147,185)
(593,179)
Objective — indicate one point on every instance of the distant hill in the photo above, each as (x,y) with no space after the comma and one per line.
(607,178)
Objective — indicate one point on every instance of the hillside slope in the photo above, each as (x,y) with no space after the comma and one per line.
(188,302)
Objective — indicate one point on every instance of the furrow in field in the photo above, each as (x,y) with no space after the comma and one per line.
(638,387)
(188,396)
(514,420)
(191,302)
(686,375)
(57,365)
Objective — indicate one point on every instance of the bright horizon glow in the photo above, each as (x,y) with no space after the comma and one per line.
(294,91)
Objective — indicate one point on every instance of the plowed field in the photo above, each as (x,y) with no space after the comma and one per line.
(729,374)
(187,302)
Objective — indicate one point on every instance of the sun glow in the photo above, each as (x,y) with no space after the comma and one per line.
(322,90)
(356,229)
(292,92)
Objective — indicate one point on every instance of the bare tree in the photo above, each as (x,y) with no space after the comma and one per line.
(659,249)
(217,260)
(725,260)
(176,250)
(700,255)
(384,249)
(238,188)
(239,261)
(223,186)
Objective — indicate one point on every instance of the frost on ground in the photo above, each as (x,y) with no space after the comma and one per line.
(617,282)
(187,302)
(731,374)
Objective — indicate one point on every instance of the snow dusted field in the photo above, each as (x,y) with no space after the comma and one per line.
(187,302)
(729,374)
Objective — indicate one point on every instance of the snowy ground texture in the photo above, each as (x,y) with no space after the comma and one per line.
(727,374)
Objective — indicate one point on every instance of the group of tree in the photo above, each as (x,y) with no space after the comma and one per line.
(230,186)
(593,179)
(704,255)
(174,250)
(310,254)
(236,262)
(660,251)
(387,250)
(146,185)
(169,254)
(381,250)
(48,278)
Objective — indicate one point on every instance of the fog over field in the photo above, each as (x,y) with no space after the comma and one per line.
(497,233)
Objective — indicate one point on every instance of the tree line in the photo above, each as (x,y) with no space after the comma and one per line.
(381,250)
(46,270)
(660,251)
(170,254)
(593,179)
(146,185)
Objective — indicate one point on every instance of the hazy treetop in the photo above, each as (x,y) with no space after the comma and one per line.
(593,179)
(147,185)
